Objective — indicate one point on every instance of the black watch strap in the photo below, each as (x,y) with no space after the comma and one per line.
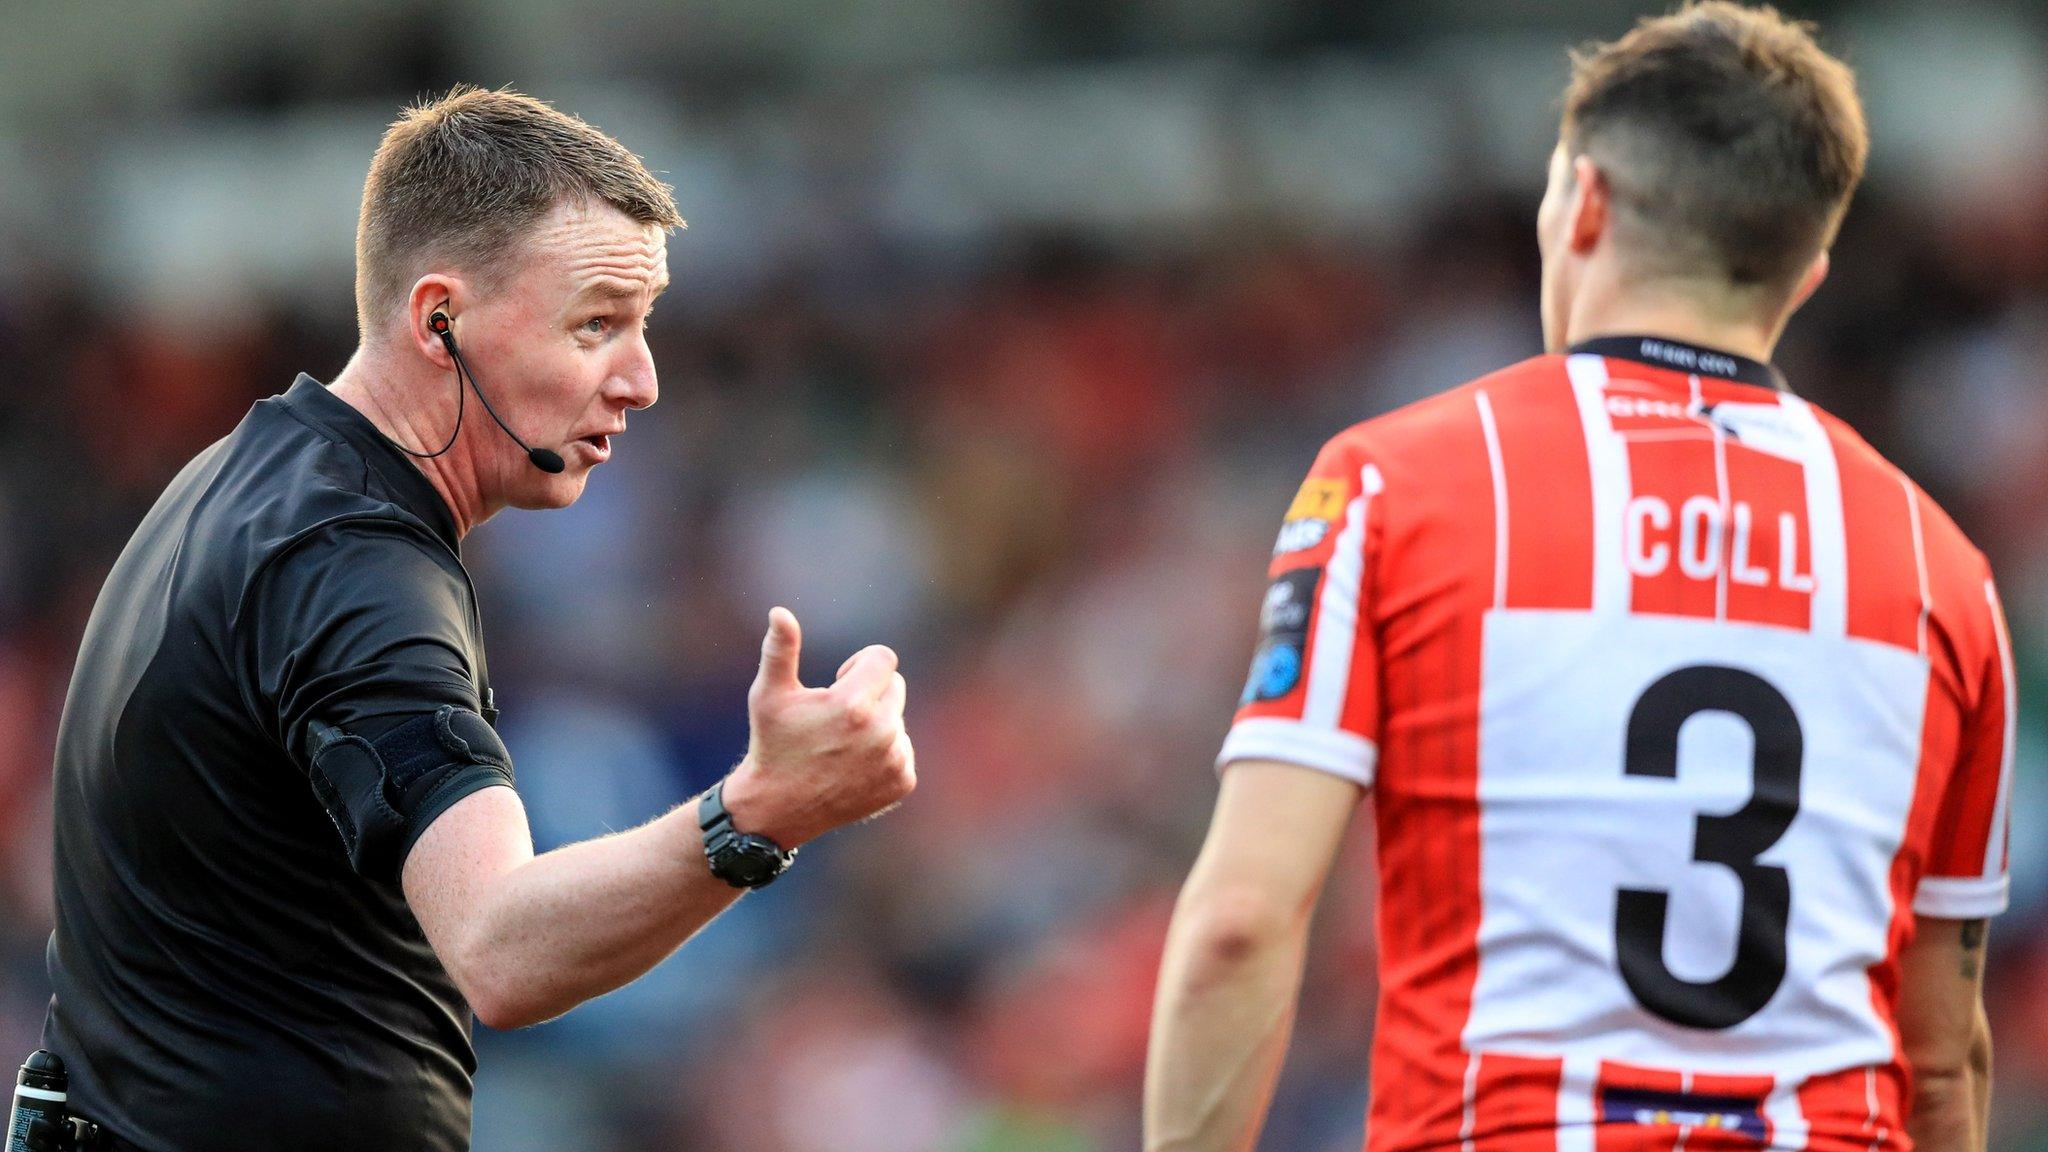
(741,859)
(711,809)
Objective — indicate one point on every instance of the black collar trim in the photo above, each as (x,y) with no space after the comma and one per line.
(1679,356)
(415,493)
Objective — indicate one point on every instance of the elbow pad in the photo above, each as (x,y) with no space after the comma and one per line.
(382,793)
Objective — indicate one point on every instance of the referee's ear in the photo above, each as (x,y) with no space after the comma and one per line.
(434,292)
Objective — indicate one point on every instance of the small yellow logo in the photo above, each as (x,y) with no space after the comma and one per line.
(1319,499)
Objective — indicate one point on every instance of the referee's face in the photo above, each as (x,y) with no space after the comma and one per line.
(563,349)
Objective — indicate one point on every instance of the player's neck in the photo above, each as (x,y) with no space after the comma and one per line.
(366,385)
(1618,311)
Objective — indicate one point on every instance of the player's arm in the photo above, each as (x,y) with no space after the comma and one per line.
(1946,1035)
(526,937)
(1299,755)
(1943,1028)
(1232,970)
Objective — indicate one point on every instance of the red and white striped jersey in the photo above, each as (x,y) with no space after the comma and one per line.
(1677,702)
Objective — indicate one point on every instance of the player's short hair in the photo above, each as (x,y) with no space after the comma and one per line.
(459,180)
(1727,133)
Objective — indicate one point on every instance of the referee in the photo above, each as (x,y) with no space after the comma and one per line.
(290,862)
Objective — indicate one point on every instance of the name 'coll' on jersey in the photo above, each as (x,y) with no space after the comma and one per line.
(1677,702)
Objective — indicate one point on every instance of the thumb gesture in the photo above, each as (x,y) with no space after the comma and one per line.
(781,650)
(818,758)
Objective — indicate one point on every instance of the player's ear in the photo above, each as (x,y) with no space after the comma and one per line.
(1591,205)
(1809,281)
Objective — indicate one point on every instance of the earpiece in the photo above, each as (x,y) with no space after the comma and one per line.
(547,460)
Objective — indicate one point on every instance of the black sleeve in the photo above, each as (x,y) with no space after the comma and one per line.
(358,640)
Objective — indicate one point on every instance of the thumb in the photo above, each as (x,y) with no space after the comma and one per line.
(780,650)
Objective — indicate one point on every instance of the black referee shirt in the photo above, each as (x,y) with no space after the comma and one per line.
(235,966)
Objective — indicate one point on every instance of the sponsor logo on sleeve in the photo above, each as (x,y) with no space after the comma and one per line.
(1300,536)
(1283,636)
(1320,498)
(1315,508)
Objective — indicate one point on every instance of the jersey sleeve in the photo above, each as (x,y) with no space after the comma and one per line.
(359,652)
(1313,695)
(1966,876)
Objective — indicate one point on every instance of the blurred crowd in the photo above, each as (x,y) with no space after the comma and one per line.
(1047,471)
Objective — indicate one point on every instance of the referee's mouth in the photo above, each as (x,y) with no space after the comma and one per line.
(599,443)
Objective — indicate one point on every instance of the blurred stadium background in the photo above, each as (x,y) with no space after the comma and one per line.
(1001,333)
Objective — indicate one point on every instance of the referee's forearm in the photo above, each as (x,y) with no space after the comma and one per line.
(577,922)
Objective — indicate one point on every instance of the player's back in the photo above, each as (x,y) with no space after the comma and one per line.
(1677,702)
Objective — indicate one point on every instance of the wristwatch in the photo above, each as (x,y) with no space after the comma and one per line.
(741,859)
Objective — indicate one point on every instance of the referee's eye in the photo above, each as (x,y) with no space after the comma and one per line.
(595,325)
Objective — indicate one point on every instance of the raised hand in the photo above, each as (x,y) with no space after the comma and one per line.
(819,758)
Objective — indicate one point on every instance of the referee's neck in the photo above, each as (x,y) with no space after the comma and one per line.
(416,416)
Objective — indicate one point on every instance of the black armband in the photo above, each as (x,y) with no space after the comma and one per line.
(382,793)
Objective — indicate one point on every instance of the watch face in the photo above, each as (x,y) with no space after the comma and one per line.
(749,861)
(749,868)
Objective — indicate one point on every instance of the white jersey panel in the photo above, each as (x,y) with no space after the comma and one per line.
(1687,829)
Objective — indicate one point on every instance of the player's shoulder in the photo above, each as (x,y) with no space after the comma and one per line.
(1451,419)
(1947,546)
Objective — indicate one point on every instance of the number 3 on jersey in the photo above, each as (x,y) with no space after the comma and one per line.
(1733,841)
(1687,828)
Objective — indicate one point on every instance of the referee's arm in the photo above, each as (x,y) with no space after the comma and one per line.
(526,937)
(1231,976)
(357,645)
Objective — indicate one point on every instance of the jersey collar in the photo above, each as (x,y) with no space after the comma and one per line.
(410,488)
(1679,356)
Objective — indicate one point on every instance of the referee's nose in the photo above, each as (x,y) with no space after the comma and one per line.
(633,382)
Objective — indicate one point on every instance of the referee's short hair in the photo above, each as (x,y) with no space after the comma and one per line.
(458,181)
(1730,139)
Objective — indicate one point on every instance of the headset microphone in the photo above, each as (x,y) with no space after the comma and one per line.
(545,459)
